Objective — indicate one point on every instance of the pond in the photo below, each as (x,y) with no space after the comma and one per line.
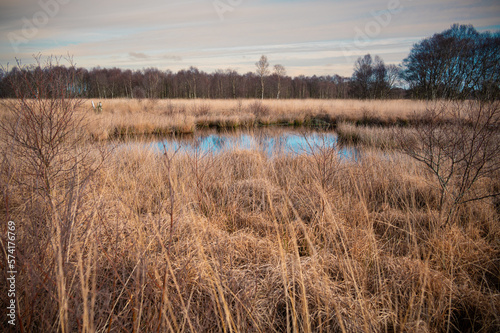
(271,141)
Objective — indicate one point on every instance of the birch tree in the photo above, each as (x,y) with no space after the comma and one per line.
(280,72)
(262,71)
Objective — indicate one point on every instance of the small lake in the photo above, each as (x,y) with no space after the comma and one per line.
(271,141)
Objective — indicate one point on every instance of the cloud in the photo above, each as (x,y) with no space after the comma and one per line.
(172,57)
(136,55)
(303,35)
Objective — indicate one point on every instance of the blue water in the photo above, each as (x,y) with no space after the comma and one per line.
(272,143)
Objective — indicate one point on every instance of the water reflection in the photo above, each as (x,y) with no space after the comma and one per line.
(271,141)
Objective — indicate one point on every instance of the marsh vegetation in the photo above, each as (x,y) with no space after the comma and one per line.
(146,237)
(130,239)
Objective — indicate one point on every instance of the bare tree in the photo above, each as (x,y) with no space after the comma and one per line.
(233,77)
(379,84)
(323,162)
(362,76)
(262,71)
(455,64)
(393,75)
(459,144)
(152,83)
(45,132)
(280,72)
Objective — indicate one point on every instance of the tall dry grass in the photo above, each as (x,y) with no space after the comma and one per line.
(386,138)
(122,117)
(239,242)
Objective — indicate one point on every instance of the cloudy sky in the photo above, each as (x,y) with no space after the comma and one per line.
(308,37)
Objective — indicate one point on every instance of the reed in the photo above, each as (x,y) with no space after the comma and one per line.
(238,242)
(130,238)
(386,138)
(122,117)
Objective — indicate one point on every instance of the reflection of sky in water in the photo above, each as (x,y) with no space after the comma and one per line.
(284,143)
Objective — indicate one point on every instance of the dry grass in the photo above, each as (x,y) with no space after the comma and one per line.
(123,117)
(240,242)
(199,107)
(386,138)
(261,247)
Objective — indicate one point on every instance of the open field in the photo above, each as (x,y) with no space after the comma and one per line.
(130,240)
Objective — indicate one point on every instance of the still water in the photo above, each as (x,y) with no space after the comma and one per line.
(271,141)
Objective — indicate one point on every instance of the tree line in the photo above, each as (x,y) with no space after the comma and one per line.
(188,83)
(457,63)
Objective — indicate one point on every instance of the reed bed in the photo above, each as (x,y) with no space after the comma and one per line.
(122,117)
(385,138)
(169,243)
(126,238)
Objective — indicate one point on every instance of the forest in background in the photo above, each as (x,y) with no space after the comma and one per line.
(457,63)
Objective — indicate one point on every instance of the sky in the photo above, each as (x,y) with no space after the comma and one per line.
(314,37)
